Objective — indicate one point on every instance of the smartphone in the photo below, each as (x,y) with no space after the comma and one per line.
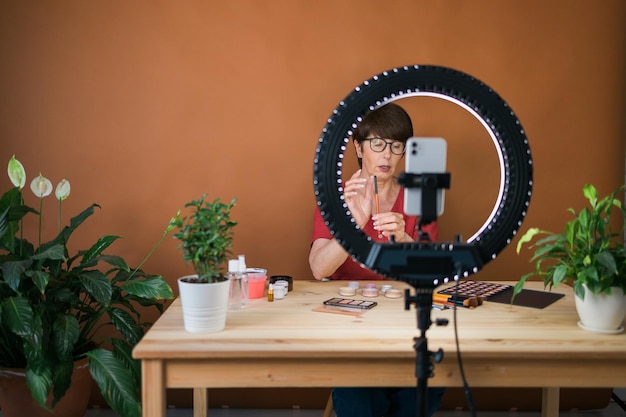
(424,155)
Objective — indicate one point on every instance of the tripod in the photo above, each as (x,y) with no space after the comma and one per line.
(424,365)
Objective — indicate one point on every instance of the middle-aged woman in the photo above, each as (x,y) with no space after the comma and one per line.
(380,141)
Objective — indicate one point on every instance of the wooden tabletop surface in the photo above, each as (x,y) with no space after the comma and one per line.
(292,328)
(289,343)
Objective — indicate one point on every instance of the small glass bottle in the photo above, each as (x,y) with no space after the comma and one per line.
(270,293)
(235,295)
(244,280)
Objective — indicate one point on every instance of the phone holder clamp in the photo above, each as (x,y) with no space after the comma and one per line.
(429,183)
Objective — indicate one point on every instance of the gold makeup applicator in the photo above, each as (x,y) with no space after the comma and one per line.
(377,202)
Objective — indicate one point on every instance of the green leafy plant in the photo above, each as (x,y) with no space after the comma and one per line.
(588,252)
(206,236)
(53,304)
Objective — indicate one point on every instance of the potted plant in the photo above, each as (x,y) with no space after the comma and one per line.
(589,255)
(53,305)
(206,236)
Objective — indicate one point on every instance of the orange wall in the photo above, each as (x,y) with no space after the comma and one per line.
(146,105)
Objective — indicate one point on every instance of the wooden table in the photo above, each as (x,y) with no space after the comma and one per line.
(286,343)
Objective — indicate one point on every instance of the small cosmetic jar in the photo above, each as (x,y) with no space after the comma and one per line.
(256,282)
(280,290)
(393,293)
(287,278)
(347,291)
(385,287)
(354,284)
(282,283)
(369,290)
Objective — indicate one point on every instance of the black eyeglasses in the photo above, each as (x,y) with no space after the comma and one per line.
(380,144)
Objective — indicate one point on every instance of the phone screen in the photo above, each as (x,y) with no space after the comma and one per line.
(424,155)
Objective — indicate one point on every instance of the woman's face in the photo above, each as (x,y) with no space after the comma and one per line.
(383,163)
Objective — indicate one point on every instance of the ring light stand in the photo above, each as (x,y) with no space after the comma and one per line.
(424,265)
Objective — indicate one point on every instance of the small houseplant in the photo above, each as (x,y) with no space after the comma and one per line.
(588,254)
(52,303)
(206,236)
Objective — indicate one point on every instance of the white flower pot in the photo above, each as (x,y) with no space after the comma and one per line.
(602,313)
(204,304)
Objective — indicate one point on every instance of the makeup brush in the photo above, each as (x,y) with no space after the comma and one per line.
(380,235)
(376,194)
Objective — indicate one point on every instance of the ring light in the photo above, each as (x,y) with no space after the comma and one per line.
(486,106)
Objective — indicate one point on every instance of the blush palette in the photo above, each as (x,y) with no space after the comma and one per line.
(469,288)
(350,303)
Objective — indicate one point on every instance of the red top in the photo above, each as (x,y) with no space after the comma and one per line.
(352,270)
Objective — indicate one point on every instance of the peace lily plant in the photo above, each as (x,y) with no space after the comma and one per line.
(53,303)
(588,253)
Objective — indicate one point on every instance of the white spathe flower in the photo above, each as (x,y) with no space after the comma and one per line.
(17,174)
(41,186)
(63,190)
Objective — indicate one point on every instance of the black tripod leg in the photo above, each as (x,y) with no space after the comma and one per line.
(423,364)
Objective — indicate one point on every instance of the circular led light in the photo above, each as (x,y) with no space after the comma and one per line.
(478,99)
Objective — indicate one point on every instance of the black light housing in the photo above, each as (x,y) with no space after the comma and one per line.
(435,262)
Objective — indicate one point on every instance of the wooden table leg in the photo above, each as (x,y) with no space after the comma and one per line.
(153,388)
(200,402)
(550,402)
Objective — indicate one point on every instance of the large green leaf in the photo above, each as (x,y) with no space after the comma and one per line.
(126,325)
(11,211)
(152,288)
(13,270)
(97,248)
(61,378)
(559,275)
(124,352)
(607,260)
(39,382)
(34,345)
(116,383)
(116,261)
(4,228)
(74,223)
(591,193)
(56,252)
(97,285)
(65,334)
(39,278)
(17,316)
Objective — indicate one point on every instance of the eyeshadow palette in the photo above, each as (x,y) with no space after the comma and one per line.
(470,288)
(350,303)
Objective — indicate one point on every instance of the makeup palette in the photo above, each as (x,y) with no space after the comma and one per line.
(350,303)
(469,288)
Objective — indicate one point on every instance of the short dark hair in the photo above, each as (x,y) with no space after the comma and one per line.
(389,122)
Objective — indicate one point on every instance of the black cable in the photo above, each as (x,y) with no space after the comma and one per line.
(466,388)
(618,401)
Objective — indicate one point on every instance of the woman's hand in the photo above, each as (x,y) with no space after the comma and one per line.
(391,224)
(358,193)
